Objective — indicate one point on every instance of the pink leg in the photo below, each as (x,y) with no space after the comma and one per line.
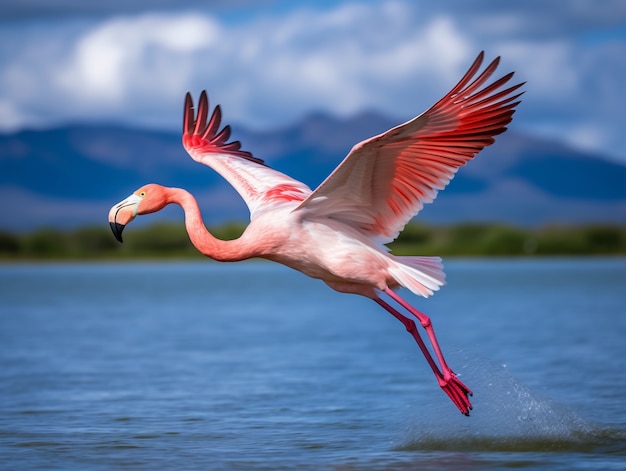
(426,324)
(447,379)
(410,326)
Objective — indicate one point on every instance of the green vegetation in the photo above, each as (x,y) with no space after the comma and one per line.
(502,240)
(169,240)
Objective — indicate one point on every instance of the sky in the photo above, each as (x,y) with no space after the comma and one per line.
(270,63)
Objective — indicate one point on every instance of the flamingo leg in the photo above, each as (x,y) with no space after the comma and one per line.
(426,324)
(411,328)
(448,381)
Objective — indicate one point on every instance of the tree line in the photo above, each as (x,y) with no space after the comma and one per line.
(170,240)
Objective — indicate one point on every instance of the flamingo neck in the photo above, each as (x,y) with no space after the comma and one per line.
(201,238)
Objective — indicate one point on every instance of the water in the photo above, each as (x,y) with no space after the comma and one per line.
(252,366)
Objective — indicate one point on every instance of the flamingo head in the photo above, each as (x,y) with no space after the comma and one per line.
(147,199)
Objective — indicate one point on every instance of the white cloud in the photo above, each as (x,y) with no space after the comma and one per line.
(547,66)
(267,71)
(588,136)
(270,69)
(9,115)
(113,61)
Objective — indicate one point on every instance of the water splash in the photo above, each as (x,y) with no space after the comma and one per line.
(507,416)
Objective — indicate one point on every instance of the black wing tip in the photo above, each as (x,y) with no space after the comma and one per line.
(195,124)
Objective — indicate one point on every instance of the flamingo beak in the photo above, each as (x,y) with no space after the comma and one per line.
(117,229)
(122,213)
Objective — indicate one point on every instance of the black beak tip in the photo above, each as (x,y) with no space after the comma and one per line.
(117,229)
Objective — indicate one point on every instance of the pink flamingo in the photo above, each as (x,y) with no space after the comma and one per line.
(337,232)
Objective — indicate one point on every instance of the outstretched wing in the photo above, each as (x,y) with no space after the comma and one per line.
(385,180)
(260,186)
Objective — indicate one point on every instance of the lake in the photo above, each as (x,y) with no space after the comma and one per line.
(208,366)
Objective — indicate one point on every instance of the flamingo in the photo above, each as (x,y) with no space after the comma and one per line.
(337,232)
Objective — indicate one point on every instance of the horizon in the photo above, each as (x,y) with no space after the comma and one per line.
(521,179)
(237,129)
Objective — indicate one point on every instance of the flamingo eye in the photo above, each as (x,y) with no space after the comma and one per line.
(142,194)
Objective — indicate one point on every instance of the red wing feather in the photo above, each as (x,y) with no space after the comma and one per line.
(206,137)
(385,180)
(260,186)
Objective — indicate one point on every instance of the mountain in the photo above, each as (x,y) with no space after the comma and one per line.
(70,176)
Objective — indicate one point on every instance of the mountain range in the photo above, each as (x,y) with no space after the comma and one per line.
(70,176)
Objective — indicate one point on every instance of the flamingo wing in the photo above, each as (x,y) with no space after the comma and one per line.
(385,180)
(259,185)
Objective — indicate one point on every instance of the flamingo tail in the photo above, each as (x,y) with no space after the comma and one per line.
(421,275)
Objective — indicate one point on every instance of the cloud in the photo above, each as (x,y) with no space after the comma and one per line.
(268,69)
(535,19)
(18,10)
(111,61)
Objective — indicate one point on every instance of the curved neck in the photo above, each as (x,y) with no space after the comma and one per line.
(201,238)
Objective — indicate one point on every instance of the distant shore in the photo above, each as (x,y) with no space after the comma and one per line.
(169,240)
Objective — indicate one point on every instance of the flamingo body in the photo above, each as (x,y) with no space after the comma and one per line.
(336,233)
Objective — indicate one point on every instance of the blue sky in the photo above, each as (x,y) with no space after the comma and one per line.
(269,63)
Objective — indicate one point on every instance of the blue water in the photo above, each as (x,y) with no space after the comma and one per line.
(253,366)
